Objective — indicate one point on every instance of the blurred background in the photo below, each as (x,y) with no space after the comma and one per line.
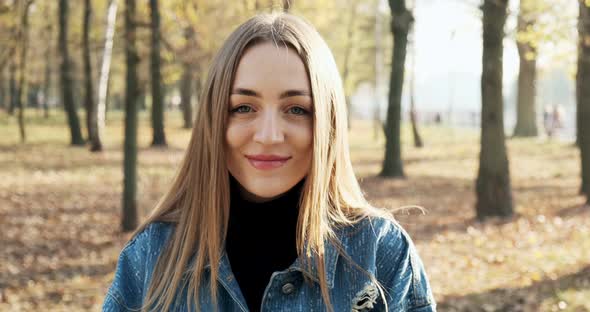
(476,110)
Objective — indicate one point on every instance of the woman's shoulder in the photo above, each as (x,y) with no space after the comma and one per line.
(377,231)
(153,234)
(134,266)
(383,247)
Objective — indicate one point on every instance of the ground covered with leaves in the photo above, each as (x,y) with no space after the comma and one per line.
(60,209)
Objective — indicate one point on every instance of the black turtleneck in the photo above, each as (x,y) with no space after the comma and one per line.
(261,239)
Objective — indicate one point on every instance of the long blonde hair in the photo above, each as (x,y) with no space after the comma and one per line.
(198,200)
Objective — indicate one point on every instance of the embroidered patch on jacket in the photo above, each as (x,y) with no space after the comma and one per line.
(365,299)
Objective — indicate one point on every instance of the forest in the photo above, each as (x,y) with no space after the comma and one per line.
(98,98)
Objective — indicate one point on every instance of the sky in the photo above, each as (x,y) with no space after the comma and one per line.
(448,57)
(449,51)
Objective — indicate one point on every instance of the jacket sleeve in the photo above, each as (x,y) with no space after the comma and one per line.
(401,272)
(126,291)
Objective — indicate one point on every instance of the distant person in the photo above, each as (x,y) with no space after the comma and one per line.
(265,212)
(437,118)
(557,117)
(548,121)
(552,119)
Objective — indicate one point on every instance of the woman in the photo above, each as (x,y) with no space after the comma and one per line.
(267,186)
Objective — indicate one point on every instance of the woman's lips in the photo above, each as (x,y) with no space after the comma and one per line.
(267,162)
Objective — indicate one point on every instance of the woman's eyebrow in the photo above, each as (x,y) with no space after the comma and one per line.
(285,94)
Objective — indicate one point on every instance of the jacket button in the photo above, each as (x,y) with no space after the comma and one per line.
(288,288)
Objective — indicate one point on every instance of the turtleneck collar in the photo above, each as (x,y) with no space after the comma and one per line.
(261,239)
(291,196)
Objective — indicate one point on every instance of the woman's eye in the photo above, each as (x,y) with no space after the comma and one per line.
(297,110)
(242,109)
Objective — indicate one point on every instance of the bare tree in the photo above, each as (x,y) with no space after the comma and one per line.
(89,101)
(47,81)
(187,81)
(400,26)
(347,55)
(494,194)
(526,115)
(159,137)
(129,217)
(583,94)
(287,4)
(22,80)
(413,118)
(66,76)
(99,122)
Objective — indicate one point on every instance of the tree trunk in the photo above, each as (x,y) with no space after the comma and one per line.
(402,21)
(417,138)
(47,79)
(347,57)
(91,109)
(377,126)
(103,84)
(21,96)
(494,194)
(583,94)
(526,115)
(187,82)
(12,86)
(287,4)
(130,218)
(186,93)
(159,137)
(2,89)
(66,76)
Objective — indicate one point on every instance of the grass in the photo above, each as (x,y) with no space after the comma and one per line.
(59,215)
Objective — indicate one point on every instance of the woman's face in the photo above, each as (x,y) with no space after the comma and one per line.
(269,133)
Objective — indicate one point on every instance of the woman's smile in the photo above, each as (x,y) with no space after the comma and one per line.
(267,162)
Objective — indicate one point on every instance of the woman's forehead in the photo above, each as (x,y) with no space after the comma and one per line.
(269,64)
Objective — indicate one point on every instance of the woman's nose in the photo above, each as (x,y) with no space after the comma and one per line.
(269,129)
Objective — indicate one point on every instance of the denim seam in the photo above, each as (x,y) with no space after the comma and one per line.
(227,288)
(118,298)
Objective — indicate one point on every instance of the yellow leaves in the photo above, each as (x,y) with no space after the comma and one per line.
(530,56)
(587,3)
(536,276)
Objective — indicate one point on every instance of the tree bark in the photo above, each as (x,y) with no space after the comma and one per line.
(494,194)
(413,118)
(287,4)
(103,84)
(583,95)
(159,137)
(187,82)
(526,115)
(47,79)
(402,21)
(91,108)
(186,93)
(12,88)
(2,89)
(66,76)
(130,218)
(347,57)
(21,95)
(377,126)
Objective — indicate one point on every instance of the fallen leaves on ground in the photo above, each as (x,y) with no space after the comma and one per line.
(60,207)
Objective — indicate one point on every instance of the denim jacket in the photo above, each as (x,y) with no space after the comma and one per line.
(380,247)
